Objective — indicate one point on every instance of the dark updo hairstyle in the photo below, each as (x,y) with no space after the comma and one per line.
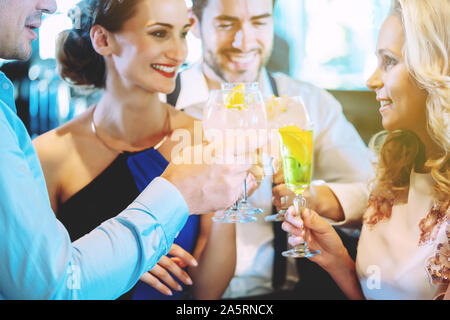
(79,63)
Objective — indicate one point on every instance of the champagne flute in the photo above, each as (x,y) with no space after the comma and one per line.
(236,113)
(282,111)
(296,147)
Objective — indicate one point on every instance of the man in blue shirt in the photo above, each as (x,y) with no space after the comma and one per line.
(37,258)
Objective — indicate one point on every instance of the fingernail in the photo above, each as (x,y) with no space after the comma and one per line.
(189,281)
(194,263)
(179,288)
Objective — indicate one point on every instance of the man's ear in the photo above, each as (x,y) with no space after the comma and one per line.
(195,28)
(100,38)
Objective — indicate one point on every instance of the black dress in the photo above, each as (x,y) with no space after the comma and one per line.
(113,191)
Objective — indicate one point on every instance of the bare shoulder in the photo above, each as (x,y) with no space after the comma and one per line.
(57,153)
(51,148)
(181,120)
(183,129)
(55,146)
(191,126)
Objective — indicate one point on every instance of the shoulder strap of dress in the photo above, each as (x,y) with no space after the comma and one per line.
(172,98)
(273,84)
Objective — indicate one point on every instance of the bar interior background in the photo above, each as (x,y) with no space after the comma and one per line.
(329,43)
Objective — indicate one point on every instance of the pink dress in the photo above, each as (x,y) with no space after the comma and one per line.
(399,257)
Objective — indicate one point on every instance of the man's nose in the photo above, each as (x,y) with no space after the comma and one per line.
(245,38)
(47,6)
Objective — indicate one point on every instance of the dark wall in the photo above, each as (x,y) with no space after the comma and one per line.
(361,109)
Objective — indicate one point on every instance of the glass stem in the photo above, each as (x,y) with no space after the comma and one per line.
(245,190)
(300,202)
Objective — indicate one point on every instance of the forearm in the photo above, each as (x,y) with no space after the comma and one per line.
(343,161)
(342,203)
(353,200)
(40,262)
(44,264)
(217,262)
(120,251)
(344,274)
(326,203)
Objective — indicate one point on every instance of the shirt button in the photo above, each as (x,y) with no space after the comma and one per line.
(5,86)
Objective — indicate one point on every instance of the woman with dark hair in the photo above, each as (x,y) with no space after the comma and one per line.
(96,164)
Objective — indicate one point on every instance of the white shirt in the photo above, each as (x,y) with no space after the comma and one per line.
(340,158)
(390,262)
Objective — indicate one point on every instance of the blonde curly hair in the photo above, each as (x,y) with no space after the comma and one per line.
(426,54)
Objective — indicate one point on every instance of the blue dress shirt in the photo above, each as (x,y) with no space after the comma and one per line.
(37,258)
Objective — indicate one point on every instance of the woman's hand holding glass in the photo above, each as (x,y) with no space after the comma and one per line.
(282,198)
(283,112)
(289,121)
(296,145)
(308,226)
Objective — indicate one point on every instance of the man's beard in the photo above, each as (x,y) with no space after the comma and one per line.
(23,52)
(15,47)
(215,66)
(19,51)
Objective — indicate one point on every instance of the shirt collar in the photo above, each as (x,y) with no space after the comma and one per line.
(7,92)
(195,90)
(264,83)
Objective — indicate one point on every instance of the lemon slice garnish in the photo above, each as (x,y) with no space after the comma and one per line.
(276,106)
(298,142)
(271,106)
(235,98)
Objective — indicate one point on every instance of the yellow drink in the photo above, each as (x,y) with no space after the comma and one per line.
(296,154)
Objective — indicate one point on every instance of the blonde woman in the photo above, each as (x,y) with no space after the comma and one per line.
(404,245)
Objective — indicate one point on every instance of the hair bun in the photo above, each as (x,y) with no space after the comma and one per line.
(79,63)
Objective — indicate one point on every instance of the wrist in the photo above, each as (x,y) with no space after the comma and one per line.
(344,269)
(340,263)
(346,278)
(328,205)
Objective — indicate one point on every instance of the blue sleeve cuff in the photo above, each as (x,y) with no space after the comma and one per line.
(166,204)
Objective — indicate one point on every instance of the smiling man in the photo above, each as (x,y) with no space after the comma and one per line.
(237,40)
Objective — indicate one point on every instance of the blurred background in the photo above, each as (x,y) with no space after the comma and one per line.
(330,43)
